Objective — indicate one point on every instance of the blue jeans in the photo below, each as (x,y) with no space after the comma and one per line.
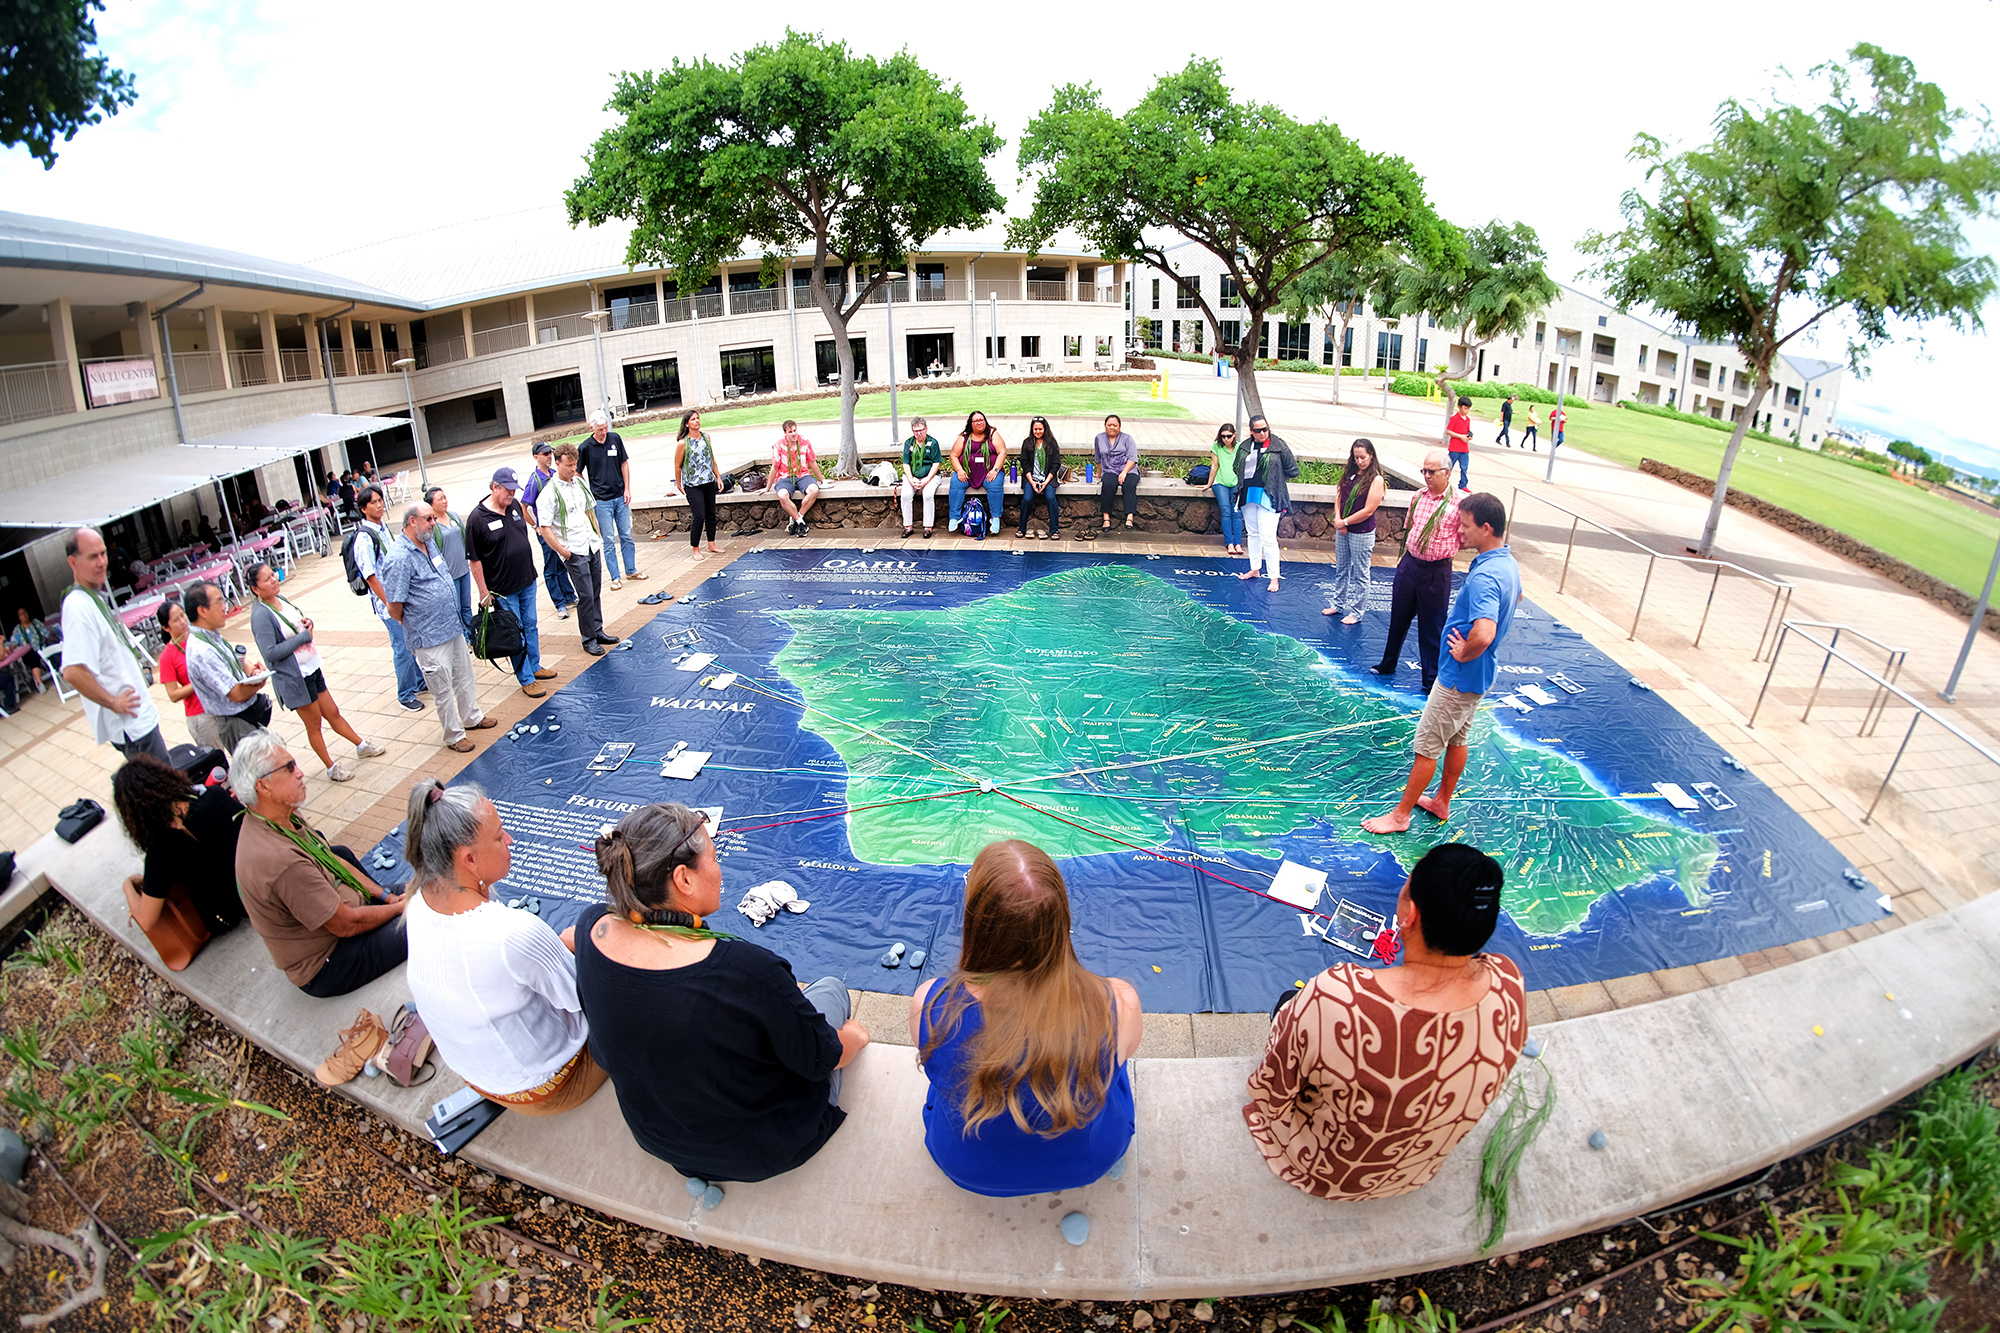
(1464,462)
(1228,515)
(616,514)
(409,680)
(996,493)
(464,582)
(556,574)
(1046,498)
(522,604)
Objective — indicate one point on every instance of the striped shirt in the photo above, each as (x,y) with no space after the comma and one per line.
(1442,540)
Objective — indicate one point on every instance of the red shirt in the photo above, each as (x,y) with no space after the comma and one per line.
(1458,432)
(174,667)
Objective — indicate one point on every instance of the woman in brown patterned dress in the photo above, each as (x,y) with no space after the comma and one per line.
(1372,1077)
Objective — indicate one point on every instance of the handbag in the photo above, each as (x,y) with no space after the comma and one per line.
(405,1057)
(258,712)
(78,818)
(496,633)
(179,933)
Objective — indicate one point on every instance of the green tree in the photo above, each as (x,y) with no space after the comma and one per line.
(1340,285)
(53,81)
(1266,195)
(1484,283)
(800,145)
(1938,474)
(1793,215)
(1913,455)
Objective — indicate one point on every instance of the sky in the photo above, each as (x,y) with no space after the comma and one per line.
(293,131)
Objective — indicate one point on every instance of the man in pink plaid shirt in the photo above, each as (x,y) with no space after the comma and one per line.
(795,477)
(1422,590)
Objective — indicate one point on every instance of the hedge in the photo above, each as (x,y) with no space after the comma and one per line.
(1420,386)
(1694,418)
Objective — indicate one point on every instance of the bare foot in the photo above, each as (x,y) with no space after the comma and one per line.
(714,549)
(696,553)
(1329,610)
(1246,577)
(1351,620)
(1442,809)
(1273,587)
(1389,823)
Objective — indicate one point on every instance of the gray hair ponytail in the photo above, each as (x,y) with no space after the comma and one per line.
(638,855)
(441,820)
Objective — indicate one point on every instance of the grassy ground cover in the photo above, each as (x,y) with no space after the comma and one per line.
(1938,535)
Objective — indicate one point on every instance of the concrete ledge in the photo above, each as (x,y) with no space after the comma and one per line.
(1692,1091)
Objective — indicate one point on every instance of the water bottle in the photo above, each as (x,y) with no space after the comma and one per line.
(1014,472)
(1089,472)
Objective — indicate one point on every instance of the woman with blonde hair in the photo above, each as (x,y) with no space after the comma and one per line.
(725,1069)
(1026,1050)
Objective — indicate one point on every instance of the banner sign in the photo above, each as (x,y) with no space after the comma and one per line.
(127,381)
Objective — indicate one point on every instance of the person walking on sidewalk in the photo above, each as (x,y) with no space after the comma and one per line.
(565,519)
(1422,589)
(609,467)
(423,601)
(561,595)
(697,477)
(284,634)
(503,569)
(1528,431)
(1506,421)
(1472,639)
(1458,440)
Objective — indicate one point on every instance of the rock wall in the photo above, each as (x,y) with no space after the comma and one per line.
(1831,539)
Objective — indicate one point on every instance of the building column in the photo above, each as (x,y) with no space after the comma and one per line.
(1021,293)
(514,396)
(465,317)
(217,340)
(149,340)
(1072,283)
(315,365)
(267,333)
(62,339)
(528,307)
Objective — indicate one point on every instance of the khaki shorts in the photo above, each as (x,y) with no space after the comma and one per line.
(1447,721)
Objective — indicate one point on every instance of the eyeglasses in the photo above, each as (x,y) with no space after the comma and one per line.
(289,766)
(1432,471)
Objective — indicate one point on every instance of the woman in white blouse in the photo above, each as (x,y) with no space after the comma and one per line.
(496,987)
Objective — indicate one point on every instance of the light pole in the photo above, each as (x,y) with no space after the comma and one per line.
(1561,376)
(416,433)
(1950,692)
(597,318)
(889,290)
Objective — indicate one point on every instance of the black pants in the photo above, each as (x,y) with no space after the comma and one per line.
(152,743)
(359,959)
(586,576)
(701,511)
(1109,486)
(1422,591)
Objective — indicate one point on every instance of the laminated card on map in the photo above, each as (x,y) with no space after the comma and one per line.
(611,755)
(694,662)
(1298,885)
(723,681)
(1538,694)
(1676,797)
(686,764)
(1354,928)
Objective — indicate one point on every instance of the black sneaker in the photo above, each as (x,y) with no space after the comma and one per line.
(414,705)
(1381,670)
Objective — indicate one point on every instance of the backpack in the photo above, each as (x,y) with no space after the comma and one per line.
(974,523)
(1199,474)
(357,584)
(496,633)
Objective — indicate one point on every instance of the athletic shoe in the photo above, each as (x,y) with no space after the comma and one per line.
(357,1045)
(562,613)
(413,705)
(340,772)
(369,750)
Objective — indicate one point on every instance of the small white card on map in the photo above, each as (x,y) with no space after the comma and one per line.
(1298,885)
(695,662)
(1538,694)
(1676,797)
(723,681)
(686,764)
(1515,702)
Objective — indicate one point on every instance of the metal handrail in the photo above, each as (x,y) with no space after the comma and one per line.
(1884,687)
(1781,591)
(1893,665)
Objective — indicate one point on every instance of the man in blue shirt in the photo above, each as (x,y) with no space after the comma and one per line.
(423,599)
(1478,622)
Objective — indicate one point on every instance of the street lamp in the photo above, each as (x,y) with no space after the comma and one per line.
(889,292)
(597,318)
(416,435)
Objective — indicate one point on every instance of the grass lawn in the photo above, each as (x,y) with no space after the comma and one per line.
(941,405)
(1939,536)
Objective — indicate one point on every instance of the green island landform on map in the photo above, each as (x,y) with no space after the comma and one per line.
(1107,665)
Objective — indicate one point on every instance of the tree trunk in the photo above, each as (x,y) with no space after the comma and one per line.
(1715,505)
(1245,362)
(1340,371)
(849,464)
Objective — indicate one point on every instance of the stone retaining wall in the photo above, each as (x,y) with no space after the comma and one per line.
(1831,539)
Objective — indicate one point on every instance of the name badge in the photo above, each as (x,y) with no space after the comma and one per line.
(612,452)
(494,526)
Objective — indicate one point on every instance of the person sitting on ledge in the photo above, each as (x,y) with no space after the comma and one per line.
(1371,1077)
(188,841)
(328,926)
(1025,1050)
(725,1070)
(496,987)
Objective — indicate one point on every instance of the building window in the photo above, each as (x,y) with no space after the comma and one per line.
(826,360)
(1232,333)
(1347,346)
(1264,340)
(1128,306)
(1073,342)
(1517,342)
(1103,346)
(1602,321)
(1189,295)
(1815,394)
(651,383)
(1294,342)
(992,355)
(1388,350)
(1424,355)
(1156,293)
(1642,358)
(1231,297)
(1541,331)
(1431,321)
(1031,346)
(1197,329)
(483,410)
(1326,351)
(755,369)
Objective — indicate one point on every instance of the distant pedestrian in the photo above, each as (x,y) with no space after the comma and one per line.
(1506,421)
(1266,465)
(370,544)
(609,466)
(795,478)
(423,601)
(1422,588)
(284,634)
(1117,469)
(567,523)
(554,573)
(923,473)
(1458,440)
(1472,639)
(1528,431)
(1041,475)
(231,690)
(1557,420)
(503,570)
(448,540)
(1222,485)
(1360,493)
(700,480)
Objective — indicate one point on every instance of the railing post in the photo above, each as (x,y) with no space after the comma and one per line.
(1825,662)
(1777,647)
(1651,560)
(1708,606)
(1568,551)
(1915,718)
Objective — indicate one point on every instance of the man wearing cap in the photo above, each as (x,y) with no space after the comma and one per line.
(503,570)
(555,572)
(565,518)
(423,599)
(609,467)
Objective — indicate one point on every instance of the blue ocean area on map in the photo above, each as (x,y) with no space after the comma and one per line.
(1173,735)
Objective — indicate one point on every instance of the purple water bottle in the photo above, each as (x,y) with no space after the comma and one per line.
(1013,472)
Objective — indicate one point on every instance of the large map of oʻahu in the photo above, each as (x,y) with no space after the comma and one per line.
(1172,736)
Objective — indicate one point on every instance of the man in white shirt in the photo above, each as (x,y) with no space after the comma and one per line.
(227,689)
(100,660)
(372,541)
(564,512)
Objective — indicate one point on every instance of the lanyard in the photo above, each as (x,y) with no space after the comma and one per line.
(117,626)
(320,855)
(221,645)
(1430,526)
